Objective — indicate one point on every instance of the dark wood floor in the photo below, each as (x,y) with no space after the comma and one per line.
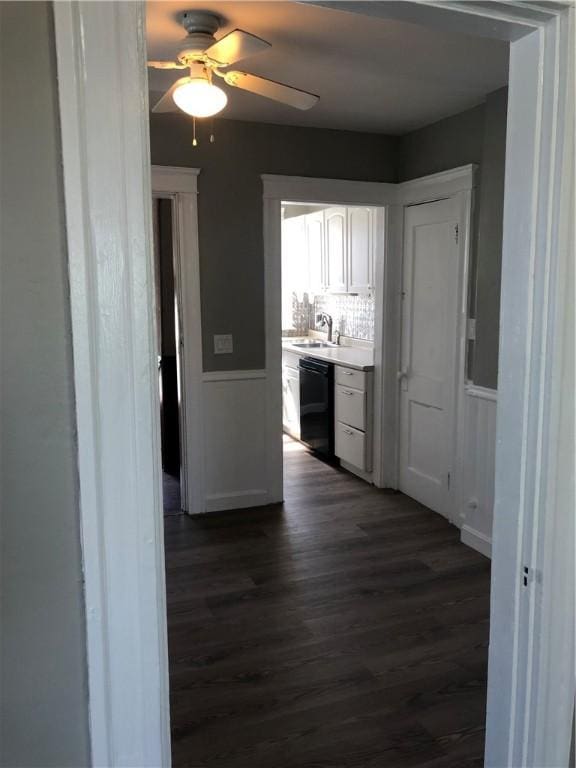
(346,629)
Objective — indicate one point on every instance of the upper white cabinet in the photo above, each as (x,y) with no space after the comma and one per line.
(335,238)
(294,265)
(332,249)
(314,223)
(360,263)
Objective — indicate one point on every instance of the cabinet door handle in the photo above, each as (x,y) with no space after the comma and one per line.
(347,373)
(347,392)
(348,432)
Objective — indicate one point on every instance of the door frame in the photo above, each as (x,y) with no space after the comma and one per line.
(181,186)
(103,106)
(338,192)
(458,184)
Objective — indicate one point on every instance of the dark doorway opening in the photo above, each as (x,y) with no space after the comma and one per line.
(168,381)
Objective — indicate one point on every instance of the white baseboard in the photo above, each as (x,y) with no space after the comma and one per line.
(477,540)
(367,476)
(219,502)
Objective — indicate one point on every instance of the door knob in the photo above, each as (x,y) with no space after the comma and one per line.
(402,377)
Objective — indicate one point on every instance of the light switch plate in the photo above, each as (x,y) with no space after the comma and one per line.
(223,344)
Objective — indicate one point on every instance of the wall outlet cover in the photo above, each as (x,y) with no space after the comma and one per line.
(223,344)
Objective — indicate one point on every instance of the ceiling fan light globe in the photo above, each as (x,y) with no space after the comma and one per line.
(200,98)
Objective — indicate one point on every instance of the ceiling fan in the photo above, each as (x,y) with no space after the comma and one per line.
(204,57)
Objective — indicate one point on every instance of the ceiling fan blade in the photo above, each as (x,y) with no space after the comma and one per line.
(235,46)
(272,90)
(166,103)
(165,65)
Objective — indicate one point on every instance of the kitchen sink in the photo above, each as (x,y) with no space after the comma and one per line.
(313,344)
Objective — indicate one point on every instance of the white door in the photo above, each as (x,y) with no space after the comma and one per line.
(315,251)
(429,352)
(360,250)
(335,234)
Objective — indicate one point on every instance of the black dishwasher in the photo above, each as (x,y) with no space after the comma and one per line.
(317,405)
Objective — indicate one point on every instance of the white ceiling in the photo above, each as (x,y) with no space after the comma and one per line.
(372,74)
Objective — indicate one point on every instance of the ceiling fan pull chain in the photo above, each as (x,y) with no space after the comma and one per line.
(212,131)
(194,142)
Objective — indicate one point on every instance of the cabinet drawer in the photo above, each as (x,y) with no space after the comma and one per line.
(290,359)
(350,445)
(350,405)
(350,378)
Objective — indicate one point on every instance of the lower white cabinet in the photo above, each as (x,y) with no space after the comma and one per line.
(350,445)
(353,417)
(350,406)
(352,411)
(291,401)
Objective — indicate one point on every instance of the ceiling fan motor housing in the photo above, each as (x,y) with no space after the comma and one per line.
(200,26)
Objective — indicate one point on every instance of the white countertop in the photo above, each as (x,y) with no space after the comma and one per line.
(360,358)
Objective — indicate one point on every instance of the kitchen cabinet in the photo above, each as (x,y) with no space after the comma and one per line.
(291,395)
(294,265)
(335,260)
(343,241)
(314,225)
(350,406)
(350,445)
(360,251)
(332,250)
(350,377)
(353,419)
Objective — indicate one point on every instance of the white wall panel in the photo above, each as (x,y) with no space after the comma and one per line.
(477,498)
(235,439)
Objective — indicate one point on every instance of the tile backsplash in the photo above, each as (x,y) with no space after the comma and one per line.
(353,316)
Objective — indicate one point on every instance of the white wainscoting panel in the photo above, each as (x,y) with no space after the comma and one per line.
(235,439)
(477,500)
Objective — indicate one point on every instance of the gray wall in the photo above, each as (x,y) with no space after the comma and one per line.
(230,209)
(475,136)
(451,142)
(43,687)
(488,261)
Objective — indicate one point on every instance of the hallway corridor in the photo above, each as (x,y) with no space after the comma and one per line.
(347,628)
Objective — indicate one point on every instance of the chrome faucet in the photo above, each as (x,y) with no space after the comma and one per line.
(325,320)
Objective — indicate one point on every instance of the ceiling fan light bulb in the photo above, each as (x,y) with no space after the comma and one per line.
(200,98)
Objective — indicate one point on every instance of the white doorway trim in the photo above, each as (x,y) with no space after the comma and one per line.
(531,663)
(390,199)
(100,51)
(317,191)
(181,186)
(103,101)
